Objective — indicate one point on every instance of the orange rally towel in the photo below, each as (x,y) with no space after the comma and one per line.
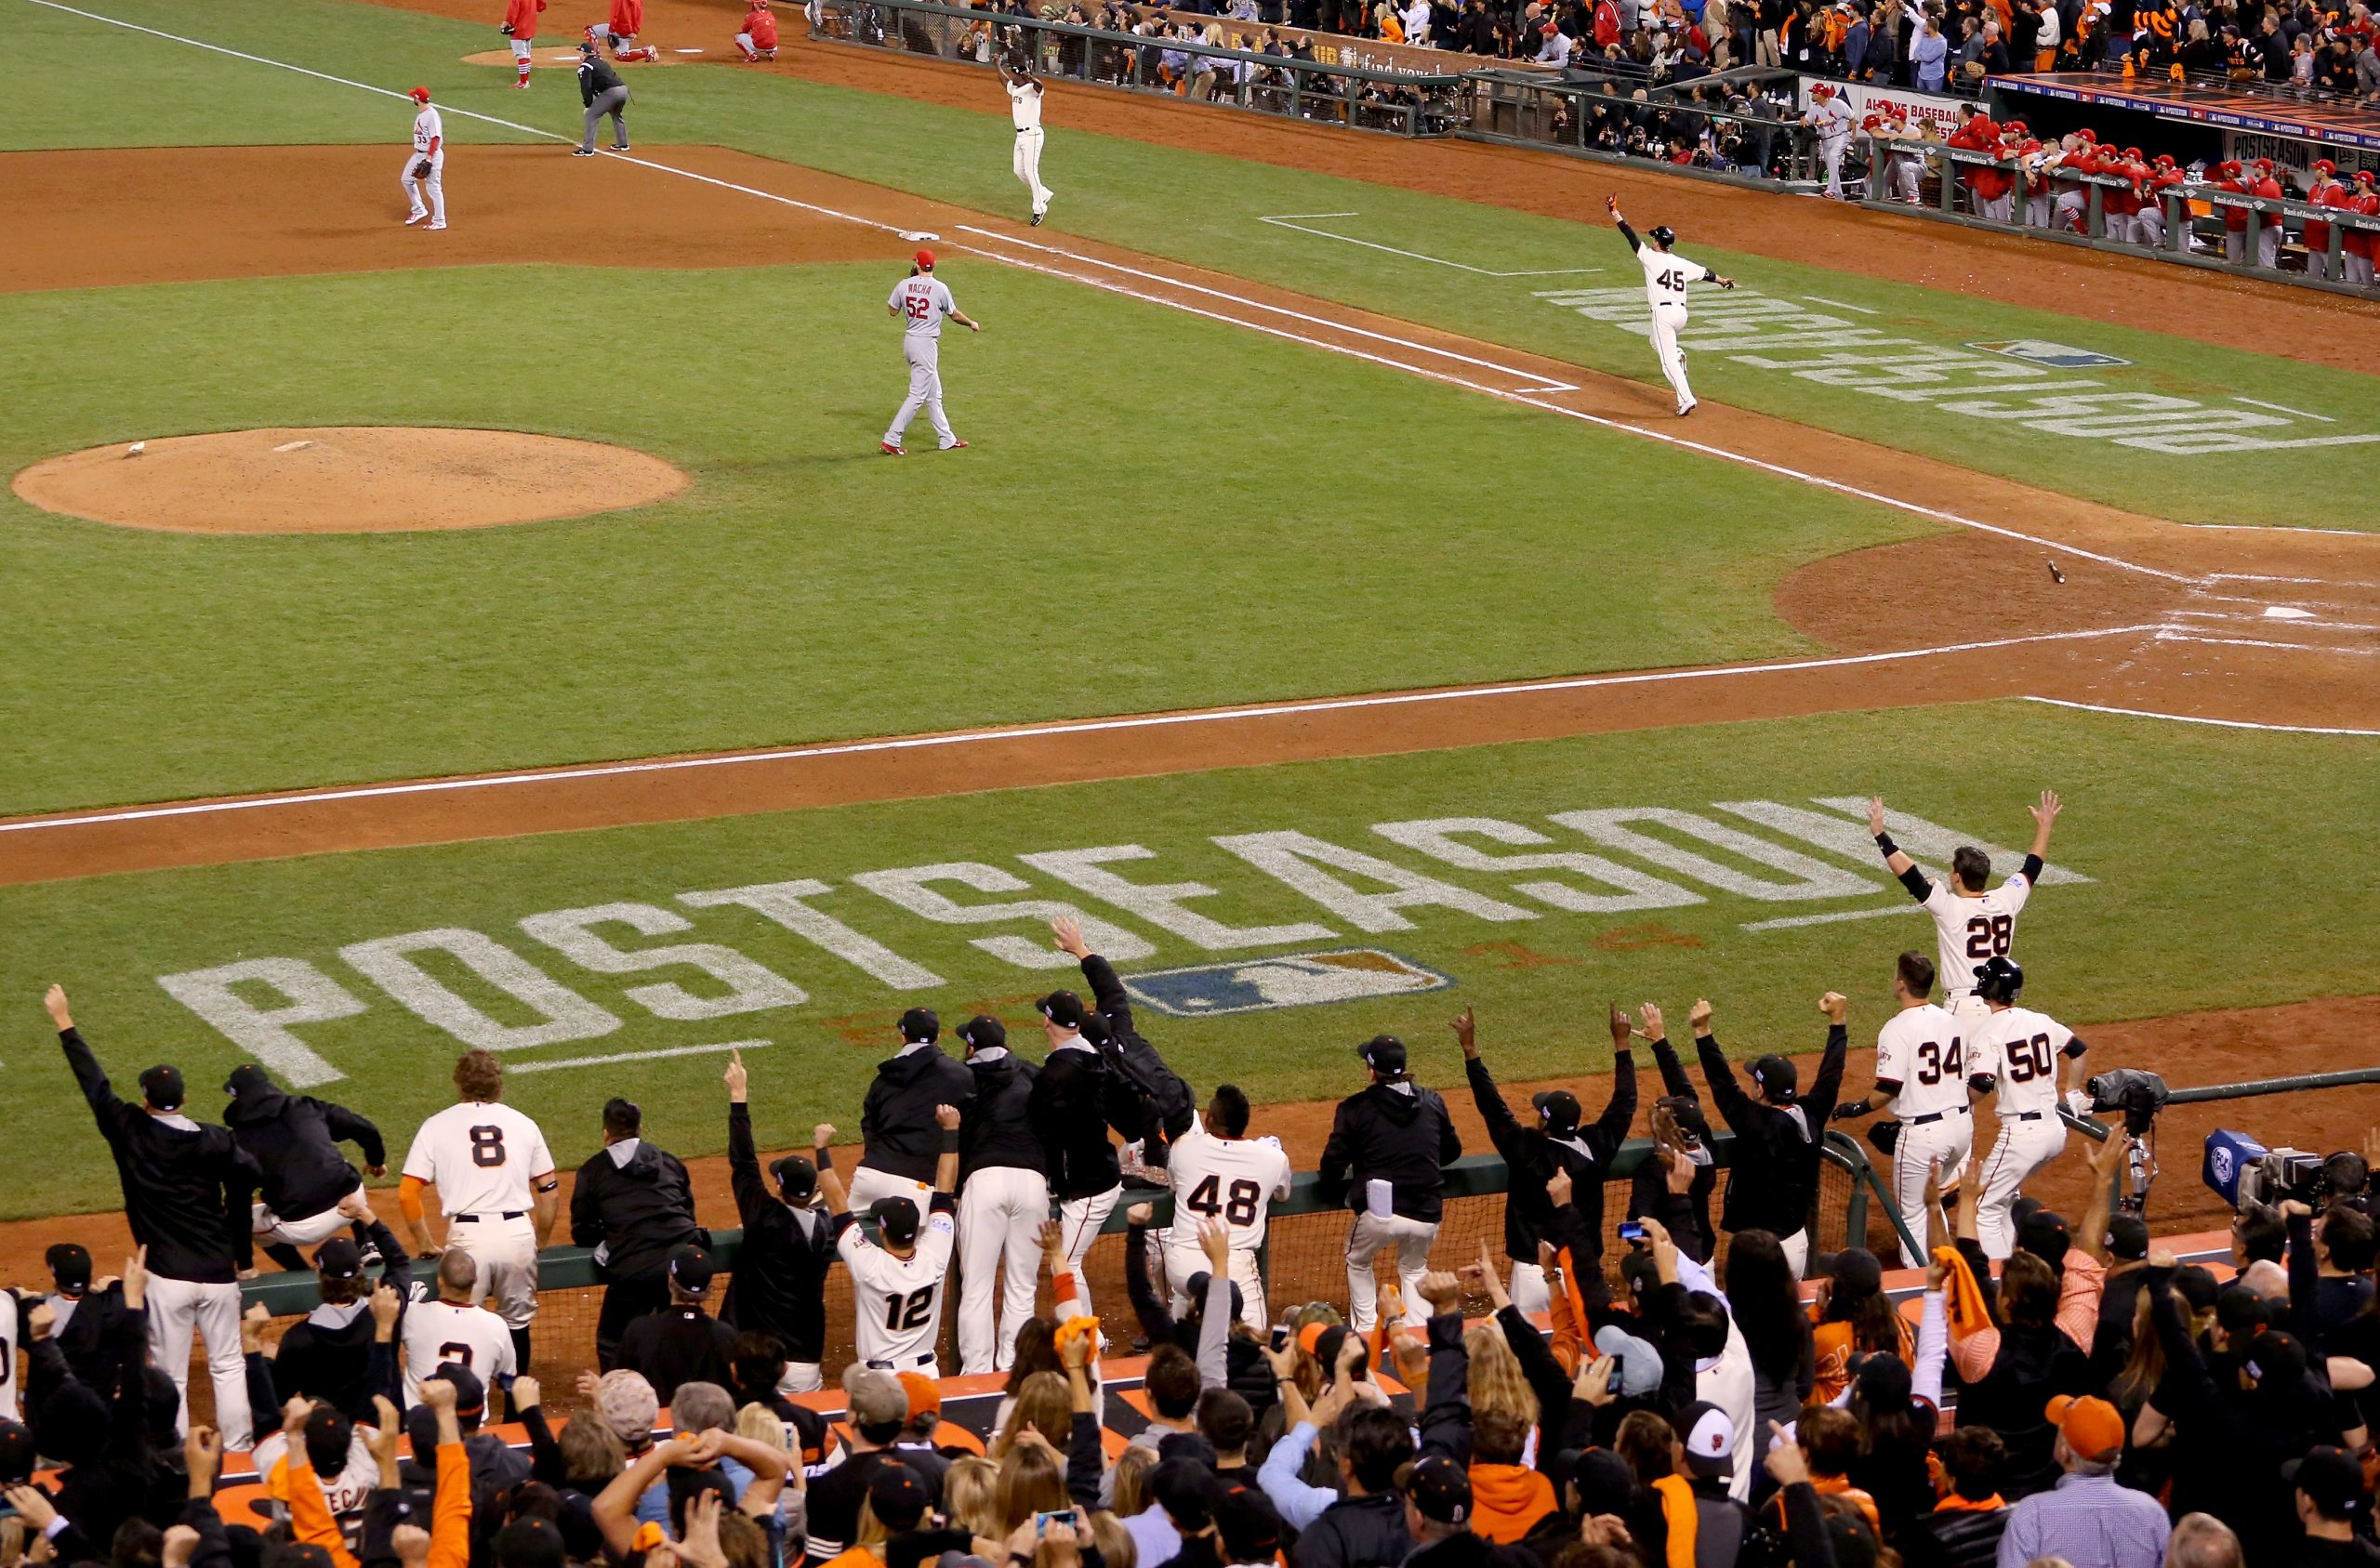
(1964,1297)
(1678,1513)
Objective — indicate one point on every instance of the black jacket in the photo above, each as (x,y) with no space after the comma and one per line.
(1068,1110)
(329,1354)
(294,1140)
(1689,1224)
(1534,1155)
(1356,1532)
(1773,1169)
(90,1339)
(780,1281)
(1464,1550)
(595,77)
(998,1128)
(896,1123)
(1385,1134)
(1145,1098)
(1960,1538)
(677,1346)
(185,1193)
(639,1213)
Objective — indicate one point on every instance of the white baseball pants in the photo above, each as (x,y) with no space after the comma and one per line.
(2268,245)
(2358,269)
(2148,227)
(434,186)
(1997,209)
(1831,152)
(2037,210)
(504,1253)
(176,1307)
(1369,1233)
(1027,162)
(2071,208)
(1668,322)
(2318,261)
(751,50)
(1950,1141)
(1905,173)
(1079,1221)
(800,1377)
(309,1231)
(1797,1251)
(924,355)
(2235,245)
(868,1185)
(1180,1265)
(1001,1210)
(2022,1148)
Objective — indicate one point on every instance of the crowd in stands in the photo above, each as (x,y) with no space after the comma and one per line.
(2063,1391)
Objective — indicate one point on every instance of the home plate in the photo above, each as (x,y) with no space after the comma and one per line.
(2287,613)
(686,51)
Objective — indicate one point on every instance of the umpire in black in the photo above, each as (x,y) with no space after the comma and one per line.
(1773,1168)
(294,1138)
(1387,1145)
(601,90)
(634,1205)
(779,1286)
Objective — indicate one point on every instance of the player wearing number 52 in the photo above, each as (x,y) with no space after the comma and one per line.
(497,1185)
(897,1278)
(1921,1064)
(633,1204)
(1970,925)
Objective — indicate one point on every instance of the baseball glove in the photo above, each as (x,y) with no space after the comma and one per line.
(505,29)
(1885,1135)
(422,169)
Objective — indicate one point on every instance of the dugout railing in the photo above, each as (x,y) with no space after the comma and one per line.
(1305,1252)
(1600,117)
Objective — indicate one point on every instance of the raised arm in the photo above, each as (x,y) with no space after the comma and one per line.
(1920,886)
(1502,1128)
(1726,1093)
(752,1196)
(1214,1322)
(1611,1127)
(96,1093)
(1626,233)
(1107,992)
(1156,1322)
(945,1164)
(2044,818)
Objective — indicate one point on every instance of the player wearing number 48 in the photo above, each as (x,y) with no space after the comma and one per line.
(1220,1173)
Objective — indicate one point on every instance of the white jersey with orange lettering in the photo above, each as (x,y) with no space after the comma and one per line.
(896,1302)
(438,1332)
(1968,930)
(1921,1049)
(344,1494)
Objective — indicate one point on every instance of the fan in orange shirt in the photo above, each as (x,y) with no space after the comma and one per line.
(1853,1316)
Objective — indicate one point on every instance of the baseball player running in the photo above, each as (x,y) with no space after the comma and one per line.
(1666,275)
(920,301)
(521,27)
(2021,1049)
(1223,1175)
(495,1182)
(1970,925)
(1003,1200)
(1024,108)
(897,1280)
(1920,1065)
(426,164)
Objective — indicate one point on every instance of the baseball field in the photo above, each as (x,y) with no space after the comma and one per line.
(512,636)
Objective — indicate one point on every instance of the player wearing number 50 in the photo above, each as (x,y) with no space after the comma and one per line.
(897,1280)
(2021,1048)
(1220,1173)
(1970,925)
(1666,275)
(920,301)
(1921,1077)
(495,1182)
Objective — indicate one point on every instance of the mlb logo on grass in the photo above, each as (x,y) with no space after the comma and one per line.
(2057,356)
(1295,980)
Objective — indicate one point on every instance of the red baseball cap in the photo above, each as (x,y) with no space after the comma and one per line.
(924,258)
(419,94)
(2325,166)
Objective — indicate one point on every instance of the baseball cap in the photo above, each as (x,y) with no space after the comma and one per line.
(795,1177)
(2240,1311)
(1064,1008)
(419,94)
(1249,1523)
(2043,1234)
(1384,1052)
(530,1542)
(2128,1237)
(2323,165)
(897,1219)
(983,1033)
(1857,1272)
(16,1454)
(338,1258)
(329,1432)
(2092,1426)
(2196,1285)
(1187,1490)
(876,1397)
(899,1499)
(1776,1077)
(471,1394)
(924,258)
(923,1392)
(1710,1434)
(161,1086)
(2274,1358)
(1640,1363)
(1605,1482)
(1558,1109)
(1437,1487)
(2330,1477)
(70,1266)
(919,1026)
(689,1269)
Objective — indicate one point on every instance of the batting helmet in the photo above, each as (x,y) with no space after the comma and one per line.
(1999,980)
(1664,236)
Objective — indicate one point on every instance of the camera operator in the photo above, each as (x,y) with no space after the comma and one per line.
(2330,1281)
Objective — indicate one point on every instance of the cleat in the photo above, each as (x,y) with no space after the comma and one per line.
(1038,218)
(954,446)
(1686,408)
(582,153)
(416,218)
(890,450)
(440,224)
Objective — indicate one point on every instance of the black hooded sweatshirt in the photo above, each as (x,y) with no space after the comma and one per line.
(780,1281)
(896,1123)
(186,1190)
(1535,1151)
(1773,1169)
(1068,1108)
(1398,1133)
(639,1213)
(100,1436)
(1145,1098)
(330,1355)
(294,1139)
(998,1129)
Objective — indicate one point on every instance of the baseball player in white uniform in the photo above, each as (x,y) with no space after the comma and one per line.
(1970,925)
(2021,1049)
(495,1182)
(1921,1077)
(1024,108)
(920,300)
(1666,275)
(1221,1174)
(425,167)
(897,1279)
(454,1327)
(1829,116)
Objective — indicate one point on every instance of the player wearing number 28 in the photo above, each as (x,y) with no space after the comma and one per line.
(897,1278)
(495,1182)
(1219,1173)
(1970,925)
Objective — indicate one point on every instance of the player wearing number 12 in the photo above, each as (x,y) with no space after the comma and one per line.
(495,1182)
(1919,1068)
(1221,1174)
(2021,1048)
(1970,925)
(897,1279)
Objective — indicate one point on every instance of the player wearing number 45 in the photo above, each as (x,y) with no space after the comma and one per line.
(1666,275)
(495,1182)
(1920,1067)
(1970,925)
(2021,1049)
(897,1279)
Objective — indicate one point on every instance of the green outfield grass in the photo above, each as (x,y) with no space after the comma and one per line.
(1206,210)
(2178,872)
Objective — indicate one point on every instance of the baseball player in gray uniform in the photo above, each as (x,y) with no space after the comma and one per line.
(920,301)
(601,90)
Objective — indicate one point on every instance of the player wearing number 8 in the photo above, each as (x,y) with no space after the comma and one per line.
(1970,925)
(2021,1048)
(1219,1173)
(1920,1063)
(495,1182)
(897,1279)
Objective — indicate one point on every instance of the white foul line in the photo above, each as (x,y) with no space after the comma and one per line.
(1041,731)
(1282,221)
(2279,408)
(1704,449)
(1841,304)
(1789,920)
(2193,719)
(2169,635)
(557,1065)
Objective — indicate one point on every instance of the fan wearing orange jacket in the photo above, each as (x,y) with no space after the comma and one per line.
(521,26)
(758,37)
(628,20)
(450,1522)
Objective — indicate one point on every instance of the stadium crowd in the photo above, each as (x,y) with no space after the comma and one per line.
(1692,1404)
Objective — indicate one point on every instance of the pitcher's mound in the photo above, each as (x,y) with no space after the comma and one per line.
(346,480)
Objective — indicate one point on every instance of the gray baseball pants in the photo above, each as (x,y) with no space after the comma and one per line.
(614,102)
